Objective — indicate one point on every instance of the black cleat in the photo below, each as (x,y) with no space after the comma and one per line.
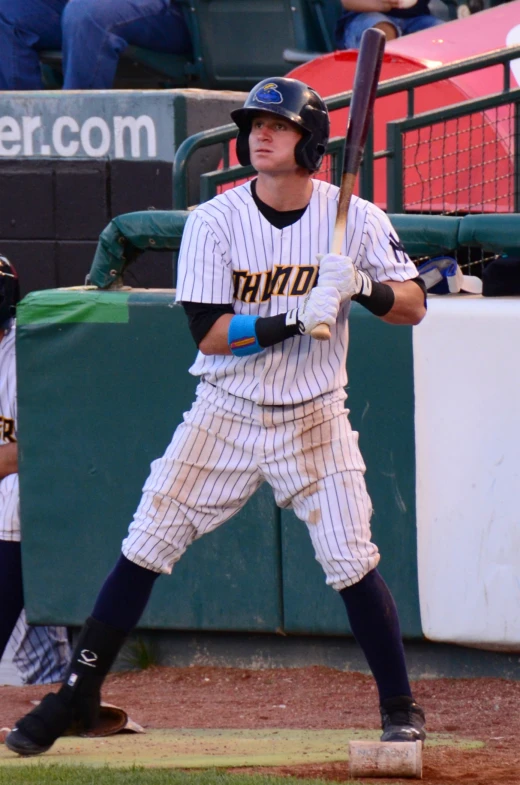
(19,743)
(37,731)
(402,720)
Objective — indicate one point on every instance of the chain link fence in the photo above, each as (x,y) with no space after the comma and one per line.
(465,162)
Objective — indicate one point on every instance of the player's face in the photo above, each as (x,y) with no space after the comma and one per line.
(271,144)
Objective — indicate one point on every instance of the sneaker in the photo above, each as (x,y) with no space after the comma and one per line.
(402,720)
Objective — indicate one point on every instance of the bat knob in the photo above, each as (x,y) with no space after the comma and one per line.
(321,332)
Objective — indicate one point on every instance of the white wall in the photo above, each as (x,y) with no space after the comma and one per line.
(467,420)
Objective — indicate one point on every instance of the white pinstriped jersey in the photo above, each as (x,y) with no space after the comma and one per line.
(231,254)
(9,494)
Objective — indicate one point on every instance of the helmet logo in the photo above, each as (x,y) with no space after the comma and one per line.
(268,94)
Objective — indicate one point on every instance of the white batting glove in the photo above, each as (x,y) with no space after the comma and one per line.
(321,306)
(340,272)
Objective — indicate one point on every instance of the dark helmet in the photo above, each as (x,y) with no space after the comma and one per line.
(294,101)
(9,291)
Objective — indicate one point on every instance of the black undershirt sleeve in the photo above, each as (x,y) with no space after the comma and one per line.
(381,299)
(273,329)
(202,317)
(422,286)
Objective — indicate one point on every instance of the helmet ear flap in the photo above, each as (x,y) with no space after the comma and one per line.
(242,147)
(303,154)
(308,153)
(311,149)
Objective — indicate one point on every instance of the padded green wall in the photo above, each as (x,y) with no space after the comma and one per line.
(98,402)
(103,380)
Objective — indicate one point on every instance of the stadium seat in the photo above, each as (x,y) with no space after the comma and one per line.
(323,17)
(235,44)
(138,68)
(327,13)
(242,41)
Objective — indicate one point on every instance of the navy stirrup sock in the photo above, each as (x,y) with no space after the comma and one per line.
(11,589)
(124,595)
(374,621)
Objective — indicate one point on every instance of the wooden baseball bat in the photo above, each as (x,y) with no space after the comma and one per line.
(368,68)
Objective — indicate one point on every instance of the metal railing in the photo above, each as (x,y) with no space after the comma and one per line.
(410,83)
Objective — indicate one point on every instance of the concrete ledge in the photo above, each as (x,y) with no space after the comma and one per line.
(426,660)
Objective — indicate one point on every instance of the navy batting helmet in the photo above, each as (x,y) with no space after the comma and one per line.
(9,291)
(294,101)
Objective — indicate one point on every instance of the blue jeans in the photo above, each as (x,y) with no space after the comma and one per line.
(361,22)
(92,34)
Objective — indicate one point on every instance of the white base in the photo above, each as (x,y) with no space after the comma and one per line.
(385,759)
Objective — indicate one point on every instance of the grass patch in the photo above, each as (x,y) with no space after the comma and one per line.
(42,774)
(139,654)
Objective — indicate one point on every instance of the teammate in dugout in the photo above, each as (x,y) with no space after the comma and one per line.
(40,653)
(255,278)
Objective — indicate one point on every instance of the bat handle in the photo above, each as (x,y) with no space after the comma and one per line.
(321,332)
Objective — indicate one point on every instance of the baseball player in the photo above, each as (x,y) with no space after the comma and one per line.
(255,278)
(41,654)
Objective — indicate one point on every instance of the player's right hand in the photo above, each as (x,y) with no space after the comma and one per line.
(321,306)
(339,271)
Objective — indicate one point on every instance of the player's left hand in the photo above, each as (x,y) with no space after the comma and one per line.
(341,273)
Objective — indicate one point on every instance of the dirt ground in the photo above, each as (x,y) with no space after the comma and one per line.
(318,697)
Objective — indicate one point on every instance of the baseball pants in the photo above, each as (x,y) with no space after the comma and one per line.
(41,653)
(221,453)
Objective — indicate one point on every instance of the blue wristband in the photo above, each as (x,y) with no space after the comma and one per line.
(242,338)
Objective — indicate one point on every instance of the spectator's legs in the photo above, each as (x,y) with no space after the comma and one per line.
(388,29)
(25,28)
(424,22)
(95,32)
(11,589)
(355,29)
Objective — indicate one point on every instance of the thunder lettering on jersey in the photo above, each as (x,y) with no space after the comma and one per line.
(9,498)
(292,280)
(230,253)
